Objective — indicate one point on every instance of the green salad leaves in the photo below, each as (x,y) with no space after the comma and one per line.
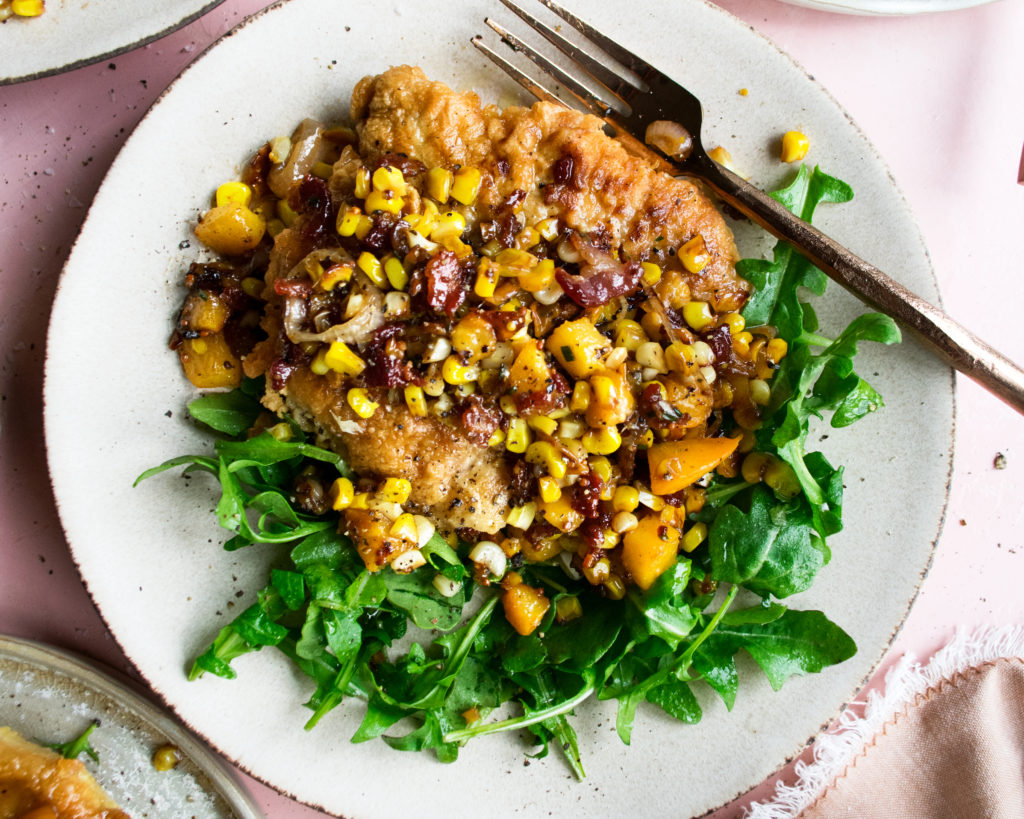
(441,665)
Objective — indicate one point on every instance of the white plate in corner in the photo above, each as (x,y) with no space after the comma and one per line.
(50,696)
(887,8)
(173,586)
(73,33)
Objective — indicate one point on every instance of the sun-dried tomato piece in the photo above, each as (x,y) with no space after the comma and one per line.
(446,283)
(385,359)
(479,420)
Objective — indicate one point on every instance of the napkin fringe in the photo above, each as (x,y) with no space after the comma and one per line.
(905,681)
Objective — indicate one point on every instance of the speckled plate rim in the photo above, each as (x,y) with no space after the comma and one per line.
(887,8)
(122,700)
(73,53)
(896,621)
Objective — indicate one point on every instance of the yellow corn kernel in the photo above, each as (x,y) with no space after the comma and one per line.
(629,334)
(439,183)
(545,454)
(234,193)
(361,500)
(364,226)
(522,516)
(518,436)
(486,278)
(527,238)
(28,8)
(541,277)
(404,528)
(361,403)
(679,357)
(568,608)
(340,358)
(543,423)
(625,499)
(795,146)
(318,365)
(388,178)
(520,260)
(372,267)
(694,254)
(334,275)
(698,315)
(776,350)
(455,372)
(548,228)
(652,272)
(449,223)
(601,467)
(341,494)
(735,322)
(387,201)
(694,536)
(550,491)
(395,272)
(415,400)
(741,344)
(646,440)
(611,539)
(612,400)
(395,490)
(497,437)
(614,588)
(362,184)
(580,397)
(466,185)
(602,442)
(722,157)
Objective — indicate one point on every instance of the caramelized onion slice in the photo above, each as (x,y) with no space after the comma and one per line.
(671,138)
(602,277)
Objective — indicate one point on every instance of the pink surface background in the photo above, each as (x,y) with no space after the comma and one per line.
(939,95)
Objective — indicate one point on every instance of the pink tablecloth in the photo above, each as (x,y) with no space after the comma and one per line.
(940,95)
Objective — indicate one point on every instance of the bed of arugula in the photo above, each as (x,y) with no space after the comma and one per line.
(344,627)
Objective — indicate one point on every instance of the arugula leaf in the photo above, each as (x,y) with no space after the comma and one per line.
(77,746)
(231,413)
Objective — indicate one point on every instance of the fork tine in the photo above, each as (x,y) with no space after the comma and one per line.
(533,87)
(584,95)
(640,67)
(614,82)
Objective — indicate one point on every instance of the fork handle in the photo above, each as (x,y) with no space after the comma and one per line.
(953,343)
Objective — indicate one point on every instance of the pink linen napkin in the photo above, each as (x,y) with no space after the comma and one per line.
(944,741)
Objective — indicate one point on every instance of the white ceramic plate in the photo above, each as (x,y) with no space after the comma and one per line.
(73,33)
(887,8)
(49,696)
(150,557)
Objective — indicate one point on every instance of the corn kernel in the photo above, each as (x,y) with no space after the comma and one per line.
(323,170)
(340,358)
(372,267)
(550,491)
(614,588)
(722,157)
(652,272)
(486,279)
(735,321)
(741,343)
(626,499)
(234,193)
(28,8)
(629,334)
(776,350)
(548,228)
(694,536)
(694,254)
(415,400)
(362,183)
(602,442)
(680,357)
(395,490)
(601,467)
(698,315)
(567,608)
(526,238)
(361,500)
(285,213)
(795,146)
(341,494)
(280,147)
(361,403)
(624,521)
(543,423)
(646,440)
(545,454)
(521,517)
(449,223)
(439,183)
(388,178)
(455,372)
(387,201)
(518,436)
(318,366)
(466,185)
(363,226)
(497,437)
(395,272)
(404,527)
(541,277)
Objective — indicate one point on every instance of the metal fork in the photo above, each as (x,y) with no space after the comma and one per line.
(629,101)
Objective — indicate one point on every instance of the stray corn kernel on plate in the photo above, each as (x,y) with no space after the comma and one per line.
(43,37)
(494,353)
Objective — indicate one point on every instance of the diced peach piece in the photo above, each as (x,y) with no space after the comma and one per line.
(677,464)
(649,550)
(525,606)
